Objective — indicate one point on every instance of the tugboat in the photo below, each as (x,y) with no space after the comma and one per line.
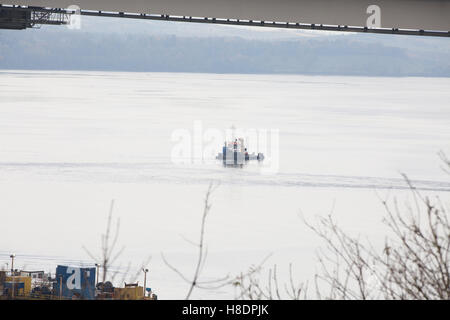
(235,154)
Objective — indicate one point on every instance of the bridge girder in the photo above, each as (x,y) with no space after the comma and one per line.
(375,14)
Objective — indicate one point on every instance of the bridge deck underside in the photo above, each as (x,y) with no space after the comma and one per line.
(411,17)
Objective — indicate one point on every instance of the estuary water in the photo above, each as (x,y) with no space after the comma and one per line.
(71,142)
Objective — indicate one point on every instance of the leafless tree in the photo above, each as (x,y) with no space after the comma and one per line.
(414,262)
(109,255)
(345,264)
(248,286)
(194,281)
(134,278)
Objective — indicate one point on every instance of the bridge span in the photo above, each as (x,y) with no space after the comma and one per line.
(412,17)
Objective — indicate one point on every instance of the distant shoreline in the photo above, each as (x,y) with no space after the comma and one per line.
(220,73)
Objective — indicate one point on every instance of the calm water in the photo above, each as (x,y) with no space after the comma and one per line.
(70,142)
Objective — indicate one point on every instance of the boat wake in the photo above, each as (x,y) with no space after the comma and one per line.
(196,174)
